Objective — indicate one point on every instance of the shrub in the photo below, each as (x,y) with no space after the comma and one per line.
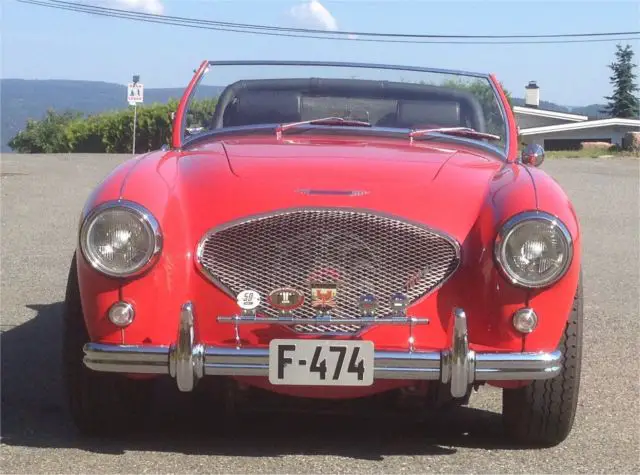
(595,145)
(45,136)
(631,142)
(108,132)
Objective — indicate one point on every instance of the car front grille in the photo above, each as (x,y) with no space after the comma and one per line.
(362,252)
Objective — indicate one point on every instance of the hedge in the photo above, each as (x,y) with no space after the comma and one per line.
(108,132)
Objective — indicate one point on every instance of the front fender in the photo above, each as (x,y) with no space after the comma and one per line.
(553,304)
(490,299)
(150,180)
(97,291)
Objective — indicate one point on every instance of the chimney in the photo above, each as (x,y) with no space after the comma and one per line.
(532,95)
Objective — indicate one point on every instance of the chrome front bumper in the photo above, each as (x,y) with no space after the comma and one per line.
(187,361)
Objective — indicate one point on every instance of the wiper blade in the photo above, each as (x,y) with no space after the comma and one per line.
(459,131)
(323,121)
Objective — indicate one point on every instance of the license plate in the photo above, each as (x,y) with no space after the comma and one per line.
(321,362)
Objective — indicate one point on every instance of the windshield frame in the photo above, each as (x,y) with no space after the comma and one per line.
(179,139)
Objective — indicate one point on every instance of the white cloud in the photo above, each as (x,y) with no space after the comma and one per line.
(146,6)
(313,14)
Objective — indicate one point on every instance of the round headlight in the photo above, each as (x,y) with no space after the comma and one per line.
(120,238)
(534,249)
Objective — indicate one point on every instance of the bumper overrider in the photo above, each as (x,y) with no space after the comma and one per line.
(187,360)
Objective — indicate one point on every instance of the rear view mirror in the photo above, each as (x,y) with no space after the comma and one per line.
(533,155)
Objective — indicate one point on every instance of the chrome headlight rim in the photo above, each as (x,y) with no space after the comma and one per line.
(510,226)
(148,221)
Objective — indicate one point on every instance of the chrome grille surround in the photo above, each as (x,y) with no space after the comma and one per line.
(371,252)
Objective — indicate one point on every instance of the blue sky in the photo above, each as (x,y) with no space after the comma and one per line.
(41,43)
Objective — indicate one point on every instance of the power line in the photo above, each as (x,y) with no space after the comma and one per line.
(347,33)
(293,32)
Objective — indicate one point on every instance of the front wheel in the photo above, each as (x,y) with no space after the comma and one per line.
(100,403)
(542,413)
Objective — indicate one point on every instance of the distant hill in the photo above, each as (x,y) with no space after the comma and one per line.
(23,99)
(592,110)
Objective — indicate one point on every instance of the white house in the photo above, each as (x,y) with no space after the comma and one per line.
(569,135)
(562,131)
(529,117)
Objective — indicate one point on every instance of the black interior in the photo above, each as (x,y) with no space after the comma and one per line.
(383,103)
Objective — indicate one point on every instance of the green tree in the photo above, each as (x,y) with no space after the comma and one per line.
(200,113)
(485,94)
(624,102)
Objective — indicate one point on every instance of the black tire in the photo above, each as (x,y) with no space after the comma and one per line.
(542,413)
(100,403)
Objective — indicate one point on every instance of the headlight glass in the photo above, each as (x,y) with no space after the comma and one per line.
(534,249)
(120,239)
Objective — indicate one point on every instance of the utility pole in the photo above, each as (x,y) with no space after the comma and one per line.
(135,120)
(135,94)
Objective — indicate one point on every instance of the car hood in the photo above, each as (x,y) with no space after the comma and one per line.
(441,187)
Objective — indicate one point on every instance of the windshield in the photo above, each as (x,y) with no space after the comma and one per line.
(385,98)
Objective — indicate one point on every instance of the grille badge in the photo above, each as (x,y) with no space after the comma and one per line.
(248,301)
(323,296)
(368,305)
(399,303)
(286,299)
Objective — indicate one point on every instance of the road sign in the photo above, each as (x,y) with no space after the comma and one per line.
(135,93)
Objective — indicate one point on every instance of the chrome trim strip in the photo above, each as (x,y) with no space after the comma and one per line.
(503,114)
(413,365)
(347,64)
(533,183)
(505,230)
(229,361)
(127,358)
(333,192)
(145,216)
(517,366)
(188,361)
(290,321)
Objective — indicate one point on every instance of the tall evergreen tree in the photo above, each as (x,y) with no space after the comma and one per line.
(624,102)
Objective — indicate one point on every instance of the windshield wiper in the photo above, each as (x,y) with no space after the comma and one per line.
(323,121)
(458,131)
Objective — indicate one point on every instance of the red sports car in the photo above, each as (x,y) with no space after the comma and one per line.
(331,230)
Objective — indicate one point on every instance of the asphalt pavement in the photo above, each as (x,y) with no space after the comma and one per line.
(42,196)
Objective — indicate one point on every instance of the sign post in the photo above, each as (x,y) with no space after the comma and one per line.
(135,95)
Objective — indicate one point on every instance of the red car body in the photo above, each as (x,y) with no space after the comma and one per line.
(456,188)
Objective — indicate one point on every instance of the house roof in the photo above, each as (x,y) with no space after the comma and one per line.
(547,113)
(589,124)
